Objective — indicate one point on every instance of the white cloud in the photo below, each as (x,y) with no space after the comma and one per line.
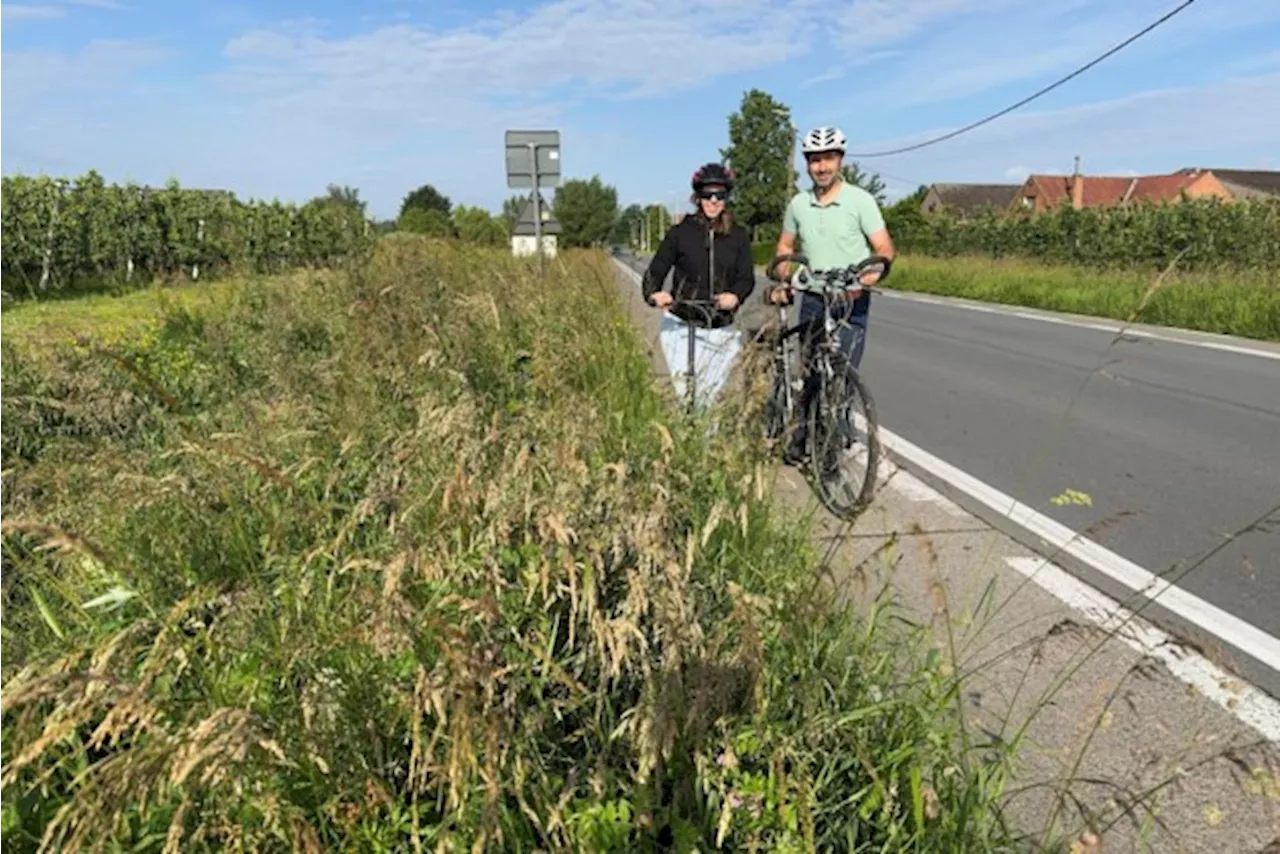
(100,65)
(634,48)
(22,12)
(890,21)
(46,12)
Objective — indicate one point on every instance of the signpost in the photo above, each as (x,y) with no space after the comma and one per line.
(533,161)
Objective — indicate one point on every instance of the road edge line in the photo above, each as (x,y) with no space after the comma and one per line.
(1250,705)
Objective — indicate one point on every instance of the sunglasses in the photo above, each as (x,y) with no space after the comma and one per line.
(714,195)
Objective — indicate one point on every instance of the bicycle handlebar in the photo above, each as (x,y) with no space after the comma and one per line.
(844,278)
(706,308)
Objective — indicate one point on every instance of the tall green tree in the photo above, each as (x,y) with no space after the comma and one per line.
(587,211)
(428,198)
(345,196)
(761,152)
(511,209)
(477,225)
(869,181)
(659,221)
(628,224)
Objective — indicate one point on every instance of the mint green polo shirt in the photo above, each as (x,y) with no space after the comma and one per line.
(834,234)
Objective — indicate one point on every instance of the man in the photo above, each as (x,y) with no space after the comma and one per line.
(838,224)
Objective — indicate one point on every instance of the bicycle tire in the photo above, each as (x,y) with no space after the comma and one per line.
(845,497)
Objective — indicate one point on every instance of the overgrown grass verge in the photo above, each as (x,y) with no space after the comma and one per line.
(416,556)
(1232,303)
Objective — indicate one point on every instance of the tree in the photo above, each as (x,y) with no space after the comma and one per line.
(628,225)
(659,221)
(428,221)
(869,181)
(761,153)
(512,208)
(428,198)
(587,211)
(476,225)
(344,196)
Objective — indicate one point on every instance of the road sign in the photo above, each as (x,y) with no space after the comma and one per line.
(527,148)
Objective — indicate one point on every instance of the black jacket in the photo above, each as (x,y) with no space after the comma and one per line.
(687,247)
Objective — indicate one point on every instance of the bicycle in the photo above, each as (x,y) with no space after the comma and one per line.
(834,439)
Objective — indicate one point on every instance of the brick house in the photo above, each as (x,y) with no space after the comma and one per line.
(967,199)
(1040,193)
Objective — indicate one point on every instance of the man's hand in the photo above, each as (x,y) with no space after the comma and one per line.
(662,299)
(726,301)
(779,295)
(869,277)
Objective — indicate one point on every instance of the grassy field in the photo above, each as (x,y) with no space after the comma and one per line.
(416,556)
(1245,304)
(105,317)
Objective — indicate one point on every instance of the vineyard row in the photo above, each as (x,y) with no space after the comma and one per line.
(1199,234)
(60,234)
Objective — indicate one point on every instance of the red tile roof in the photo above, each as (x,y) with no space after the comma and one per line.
(1106,190)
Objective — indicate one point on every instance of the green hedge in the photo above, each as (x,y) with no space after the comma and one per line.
(1201,234)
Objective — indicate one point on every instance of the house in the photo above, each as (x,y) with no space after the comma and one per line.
(1040,193)
(524,240)
(1243,183)
(967,199)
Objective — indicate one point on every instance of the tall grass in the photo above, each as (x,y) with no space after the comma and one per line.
(1231,303)
(415,556)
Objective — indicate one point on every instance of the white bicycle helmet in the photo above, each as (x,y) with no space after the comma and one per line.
(824,139)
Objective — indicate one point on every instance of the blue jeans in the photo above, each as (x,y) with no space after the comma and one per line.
(850,335)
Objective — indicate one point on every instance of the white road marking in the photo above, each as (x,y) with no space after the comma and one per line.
(1247,703)
(1192,338)
(1212,619)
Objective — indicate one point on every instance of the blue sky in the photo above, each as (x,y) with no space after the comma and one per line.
(278,99)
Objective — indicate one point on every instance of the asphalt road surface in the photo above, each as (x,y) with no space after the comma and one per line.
(1176,446)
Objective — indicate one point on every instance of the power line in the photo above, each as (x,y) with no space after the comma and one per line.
(1033,96)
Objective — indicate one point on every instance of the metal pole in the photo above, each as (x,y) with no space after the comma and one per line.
(690,373)
(537,203)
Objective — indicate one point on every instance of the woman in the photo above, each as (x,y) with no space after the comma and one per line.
(713,276)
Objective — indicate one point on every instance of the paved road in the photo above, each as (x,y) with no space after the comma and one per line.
(1177,446)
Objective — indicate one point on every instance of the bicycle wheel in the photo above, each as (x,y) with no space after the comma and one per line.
(844,439)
